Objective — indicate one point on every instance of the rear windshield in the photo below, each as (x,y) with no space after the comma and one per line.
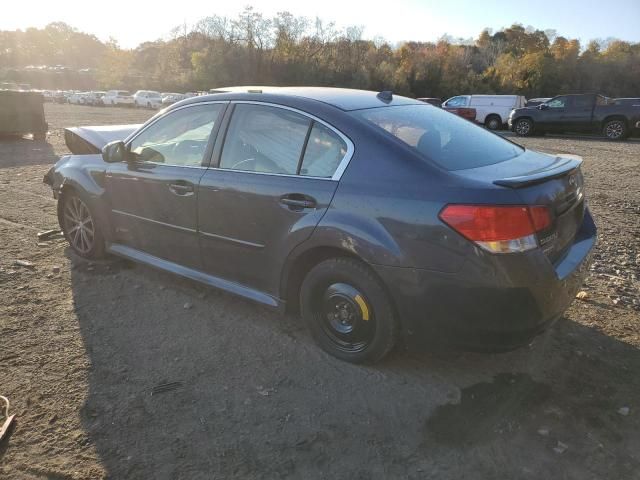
(449,141)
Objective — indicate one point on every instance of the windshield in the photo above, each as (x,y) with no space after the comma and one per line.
(449,141)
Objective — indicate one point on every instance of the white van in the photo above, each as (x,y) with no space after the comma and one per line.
(491,110)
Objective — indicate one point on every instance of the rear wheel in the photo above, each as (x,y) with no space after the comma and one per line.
(79,226)
(348,311)
(615,129)
(493,122)
(524,127)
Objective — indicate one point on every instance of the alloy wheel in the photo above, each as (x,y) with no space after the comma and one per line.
(79,225)
(523,127)
(614,130)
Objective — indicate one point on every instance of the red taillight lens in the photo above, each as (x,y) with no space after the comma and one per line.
(540,218)
(498,228)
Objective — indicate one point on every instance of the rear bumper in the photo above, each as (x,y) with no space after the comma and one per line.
(494,302)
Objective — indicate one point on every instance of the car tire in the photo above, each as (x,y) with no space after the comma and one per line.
(615,129)
(86,240)
(348,311)
(493,122)
(523,127)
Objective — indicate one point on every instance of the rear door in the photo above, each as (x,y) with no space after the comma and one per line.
(271,182)
(154,195)
(579,114)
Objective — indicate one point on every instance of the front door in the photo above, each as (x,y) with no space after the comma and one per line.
(274,178)
(554,116)
(154,195)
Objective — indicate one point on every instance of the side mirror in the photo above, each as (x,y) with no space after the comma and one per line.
(114,152)
(543,106)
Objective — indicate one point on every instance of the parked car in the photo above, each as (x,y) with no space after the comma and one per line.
(118,97)
(171,98)
(77,98)
(436,102)
(534,102)
(491,110)
(374,214)
(577,113)
(94,98)
(147,99)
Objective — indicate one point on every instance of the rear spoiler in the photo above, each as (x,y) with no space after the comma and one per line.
(563,164)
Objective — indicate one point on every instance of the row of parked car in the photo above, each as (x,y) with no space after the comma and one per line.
(142,98)
(615,118)
(490,110)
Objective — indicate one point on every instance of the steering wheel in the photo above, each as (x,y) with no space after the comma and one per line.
(188,147)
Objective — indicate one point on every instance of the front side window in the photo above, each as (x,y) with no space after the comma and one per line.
(180,138)
(447,140)
(558,102)
(264,139)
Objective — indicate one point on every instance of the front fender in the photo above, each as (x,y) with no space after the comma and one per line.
(86,175)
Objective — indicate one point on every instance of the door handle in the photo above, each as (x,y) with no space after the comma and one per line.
(182,189)
(296,201)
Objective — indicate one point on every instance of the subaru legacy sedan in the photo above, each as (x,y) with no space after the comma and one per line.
(377,217)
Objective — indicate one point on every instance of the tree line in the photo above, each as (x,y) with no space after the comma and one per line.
(252,49)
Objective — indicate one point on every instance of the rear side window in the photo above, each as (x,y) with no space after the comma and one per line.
(582,102)
(325,150)
(449,141)
(264,139)
(457,102)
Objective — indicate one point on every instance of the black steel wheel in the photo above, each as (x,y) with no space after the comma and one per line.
(79,226)
(348,311)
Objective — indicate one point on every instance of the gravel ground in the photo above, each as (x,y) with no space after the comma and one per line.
(112,377)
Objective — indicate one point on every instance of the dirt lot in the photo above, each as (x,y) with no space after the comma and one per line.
(84,346)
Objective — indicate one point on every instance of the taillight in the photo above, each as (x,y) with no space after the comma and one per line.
(498,228)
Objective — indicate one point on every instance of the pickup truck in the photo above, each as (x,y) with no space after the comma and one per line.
(577,113)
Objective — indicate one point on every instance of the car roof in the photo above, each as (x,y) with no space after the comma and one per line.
(342,98)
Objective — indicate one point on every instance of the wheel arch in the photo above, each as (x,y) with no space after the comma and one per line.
(296,269)
(614,117)
(493,115)
(93,197)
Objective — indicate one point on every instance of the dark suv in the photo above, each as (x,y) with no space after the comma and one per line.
(375,215)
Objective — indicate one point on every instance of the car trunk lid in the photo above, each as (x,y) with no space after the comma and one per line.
(553,181)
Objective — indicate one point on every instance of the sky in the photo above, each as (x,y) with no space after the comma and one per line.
(134,21)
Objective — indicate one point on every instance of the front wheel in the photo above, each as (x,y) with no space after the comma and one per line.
(615,129)
(348,311)
(79,226)
(523,127)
